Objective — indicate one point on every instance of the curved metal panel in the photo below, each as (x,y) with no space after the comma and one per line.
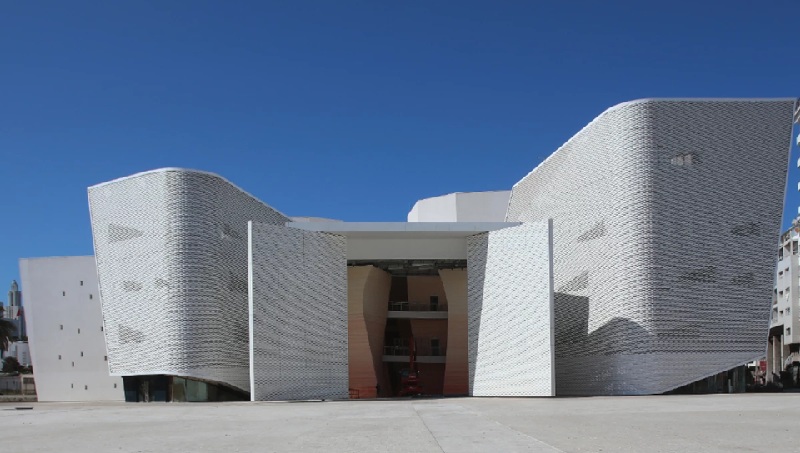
(655,286)
(171,251)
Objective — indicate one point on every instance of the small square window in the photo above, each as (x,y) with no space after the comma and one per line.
(90,297)
(105,358)
(81,353)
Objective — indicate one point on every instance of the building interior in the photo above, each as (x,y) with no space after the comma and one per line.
(407,327)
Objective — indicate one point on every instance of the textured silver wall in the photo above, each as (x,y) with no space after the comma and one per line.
(171,251)
(510,312)
(666,214)
(298,314)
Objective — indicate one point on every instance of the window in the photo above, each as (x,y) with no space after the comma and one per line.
(86,387)
(61,327)
(434,303)
(101,328)
(81,353)
(79,330)
(788,331)
(90,297)
(682,160)
(59,357)
(63,293)
(81,282)
(115,385)
(73,363)
(105,358)
(72,386)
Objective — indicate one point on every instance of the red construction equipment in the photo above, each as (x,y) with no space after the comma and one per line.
(409,379)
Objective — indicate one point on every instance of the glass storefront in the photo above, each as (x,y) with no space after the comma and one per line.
(162,388)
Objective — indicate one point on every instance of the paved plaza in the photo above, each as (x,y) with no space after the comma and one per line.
(707,423)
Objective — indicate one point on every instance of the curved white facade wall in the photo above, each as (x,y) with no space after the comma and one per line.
(665,217)
(462,207)
(171,251)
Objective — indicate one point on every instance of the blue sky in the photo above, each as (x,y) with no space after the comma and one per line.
(344,109)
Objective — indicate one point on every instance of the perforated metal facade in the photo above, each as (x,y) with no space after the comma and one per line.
(298,313)
(171,251)
(665,216)
(510,312)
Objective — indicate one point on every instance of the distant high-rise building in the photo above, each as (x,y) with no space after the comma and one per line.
(14,312)
(14,295)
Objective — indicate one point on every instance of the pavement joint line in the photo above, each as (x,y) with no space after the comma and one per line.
(414,406)
(535,439)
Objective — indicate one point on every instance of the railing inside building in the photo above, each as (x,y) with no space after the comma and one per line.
(417,306)
(424,347)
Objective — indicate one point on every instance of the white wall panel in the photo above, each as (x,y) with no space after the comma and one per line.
(510,312)
(171,250)
(666,217)
(298,314)
(462,207)
(65,330)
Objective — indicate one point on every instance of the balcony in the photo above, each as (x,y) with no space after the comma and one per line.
(417,310)
(429,350)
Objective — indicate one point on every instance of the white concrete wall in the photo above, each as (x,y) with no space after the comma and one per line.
(65,330)
(435,209)
(462,207)
(454,248)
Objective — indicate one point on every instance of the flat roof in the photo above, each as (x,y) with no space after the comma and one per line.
(415,230)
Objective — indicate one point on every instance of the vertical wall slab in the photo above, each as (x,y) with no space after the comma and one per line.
(666,215)
(65,330)
(456,371)
(367,305)
(298,314)
(510,309)
(171,252)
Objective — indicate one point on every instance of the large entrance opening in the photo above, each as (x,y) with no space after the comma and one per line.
(407,327)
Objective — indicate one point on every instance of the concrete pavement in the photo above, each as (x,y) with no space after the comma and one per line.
(707,423)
